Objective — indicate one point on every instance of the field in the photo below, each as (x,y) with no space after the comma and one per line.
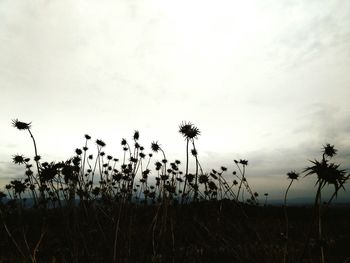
(96,208)
(208,231)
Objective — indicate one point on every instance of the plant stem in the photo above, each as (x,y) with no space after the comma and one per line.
(287,223)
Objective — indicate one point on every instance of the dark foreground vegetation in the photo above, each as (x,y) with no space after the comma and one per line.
(102,209)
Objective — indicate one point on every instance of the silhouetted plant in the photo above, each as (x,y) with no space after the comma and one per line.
(189,132)
(327,173)
(292,176)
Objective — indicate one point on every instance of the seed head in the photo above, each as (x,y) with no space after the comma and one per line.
(293,175)
(188,130)
(155,146)
(18,159)
(329,150)
(100,143)
(20,125)
(136,135)
(194,152)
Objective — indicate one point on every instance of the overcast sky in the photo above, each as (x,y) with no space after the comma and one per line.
(267,81)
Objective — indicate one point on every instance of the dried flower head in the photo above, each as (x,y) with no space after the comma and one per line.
(18,159)
(100,143)
(293,175)
(194,152)
(136,135)
(243,162)
(329,150)
(123,142)
(155,146)
(188,130)
(21,125)
(328,173)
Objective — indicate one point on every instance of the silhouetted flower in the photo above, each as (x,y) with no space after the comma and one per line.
(18,186)
(48,172)
(155,146)
(194,152)
(329,150)
(188,130)
(20,125)
(37,158)
(327,173)
(87,137)
(78,151)
(243,162)
(100,143)
(136,135)
(18,159)
(293,175)
(223,168)
(123,142)
(158,165)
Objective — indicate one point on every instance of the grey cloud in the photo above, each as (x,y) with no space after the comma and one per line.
(319,28)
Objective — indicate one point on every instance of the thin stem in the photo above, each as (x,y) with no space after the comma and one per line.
(186,174)
(287,223)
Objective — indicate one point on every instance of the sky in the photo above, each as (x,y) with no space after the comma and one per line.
(266,81)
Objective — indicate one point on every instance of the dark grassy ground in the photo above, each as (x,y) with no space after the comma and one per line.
(198,232)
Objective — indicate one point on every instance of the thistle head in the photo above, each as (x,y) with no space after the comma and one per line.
(293,175)
(100,143)
(136,135)
(18,159)
(21,125)
(188,130)
(155,146)
(329,150)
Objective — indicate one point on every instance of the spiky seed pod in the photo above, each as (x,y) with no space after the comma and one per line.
(21,125)
(329,150)
(155,146)
(188,130)
(18,159)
